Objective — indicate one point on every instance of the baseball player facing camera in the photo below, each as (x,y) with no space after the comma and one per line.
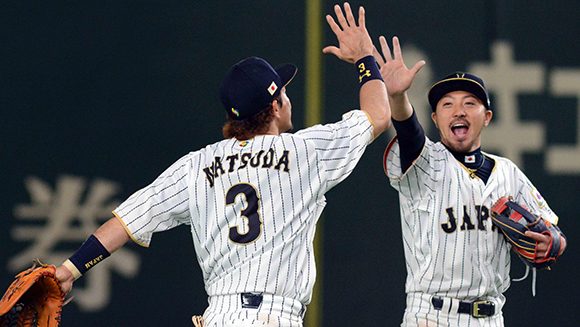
(457,261)
(253,199)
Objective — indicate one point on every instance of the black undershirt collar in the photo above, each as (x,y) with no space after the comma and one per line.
(471,160)
(477,163)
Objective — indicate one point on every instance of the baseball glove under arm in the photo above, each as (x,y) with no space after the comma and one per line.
(513,220)
(33,299)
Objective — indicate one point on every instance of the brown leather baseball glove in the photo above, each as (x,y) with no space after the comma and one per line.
(33,299)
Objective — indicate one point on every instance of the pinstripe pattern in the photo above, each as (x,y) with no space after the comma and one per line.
(450,247)
(289,174)
(275,311)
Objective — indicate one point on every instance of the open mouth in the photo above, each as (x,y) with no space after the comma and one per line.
(459,129)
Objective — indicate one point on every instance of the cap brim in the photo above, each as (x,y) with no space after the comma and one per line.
(443,87)
(286,73)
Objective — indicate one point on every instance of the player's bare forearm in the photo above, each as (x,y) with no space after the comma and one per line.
(401,108)
(112,235)
(374,101)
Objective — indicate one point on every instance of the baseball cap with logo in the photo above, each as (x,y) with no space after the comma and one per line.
(251,85)
(459,81)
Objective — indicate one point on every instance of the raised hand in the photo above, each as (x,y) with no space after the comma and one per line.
(398,78)
(354,41)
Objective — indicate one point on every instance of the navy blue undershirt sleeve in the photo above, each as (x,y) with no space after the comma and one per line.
(411,138)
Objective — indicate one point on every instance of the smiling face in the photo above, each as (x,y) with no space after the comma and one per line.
(460,118)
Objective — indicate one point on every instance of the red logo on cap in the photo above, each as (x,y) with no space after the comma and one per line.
(272,88)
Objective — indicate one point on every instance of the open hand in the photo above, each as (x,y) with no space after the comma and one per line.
(354,41)
(398,78)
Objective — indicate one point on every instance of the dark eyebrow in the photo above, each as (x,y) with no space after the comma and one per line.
(472,97)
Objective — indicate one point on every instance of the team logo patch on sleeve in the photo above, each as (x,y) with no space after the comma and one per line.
(538,198)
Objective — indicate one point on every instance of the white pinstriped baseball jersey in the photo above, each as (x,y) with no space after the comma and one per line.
(252,205)
(450,246)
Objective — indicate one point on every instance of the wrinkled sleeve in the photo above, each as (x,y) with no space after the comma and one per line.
(418,179)
(160,206)
(339,146)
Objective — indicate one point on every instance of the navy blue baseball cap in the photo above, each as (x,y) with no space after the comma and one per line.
(459,81)
(251,85)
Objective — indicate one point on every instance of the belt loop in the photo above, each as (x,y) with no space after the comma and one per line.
(453,305)
(447,304)
(251,300)
(437,302)
(302,311)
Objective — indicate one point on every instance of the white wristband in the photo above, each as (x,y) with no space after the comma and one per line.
(72,268)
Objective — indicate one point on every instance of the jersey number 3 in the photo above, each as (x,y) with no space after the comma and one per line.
(249,213)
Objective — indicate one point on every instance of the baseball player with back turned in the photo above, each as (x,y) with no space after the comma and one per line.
(253,199)
(457,263)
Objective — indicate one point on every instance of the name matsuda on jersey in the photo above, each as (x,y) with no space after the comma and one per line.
(262,159)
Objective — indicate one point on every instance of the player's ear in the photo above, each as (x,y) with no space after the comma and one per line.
(434,118)
(276,106)
(488,116)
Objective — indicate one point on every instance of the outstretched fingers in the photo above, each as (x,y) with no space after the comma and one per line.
(362,17)
(349,16)
(337,31)
(353,40)
(331,49)
(397,49)
(417,67)
(385,48)
(340,16)
(333,26)
(397,54)
(378,57)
